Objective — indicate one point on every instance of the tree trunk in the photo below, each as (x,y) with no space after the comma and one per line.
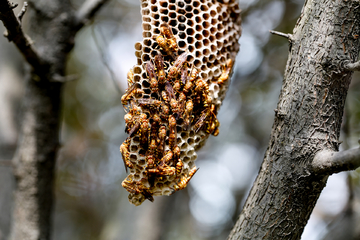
(307,120)
(53,25)
(34,162)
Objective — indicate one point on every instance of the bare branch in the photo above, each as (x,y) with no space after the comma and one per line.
(15,34)
(87,11)
(286,35)
(352,66)
(329,162)
(105,62)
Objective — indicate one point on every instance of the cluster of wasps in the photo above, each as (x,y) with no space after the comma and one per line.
(181,98)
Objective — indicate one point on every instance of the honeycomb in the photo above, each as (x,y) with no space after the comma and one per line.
(194,41)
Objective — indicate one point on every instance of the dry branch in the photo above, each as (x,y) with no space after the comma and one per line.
(329,162)
(353,66)
(15,34)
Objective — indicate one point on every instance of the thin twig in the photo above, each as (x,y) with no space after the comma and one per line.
(15,34)
(286,35)
(87,11)
(22,12)
(329,162)
(104,60)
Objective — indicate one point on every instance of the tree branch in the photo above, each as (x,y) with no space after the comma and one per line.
(15,34)
(329,162)
(285,35)
(352,66)
(87,11)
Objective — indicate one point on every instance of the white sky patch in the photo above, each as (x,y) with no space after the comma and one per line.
(250,56)
(241,162)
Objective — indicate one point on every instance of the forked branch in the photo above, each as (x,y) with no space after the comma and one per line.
(15,33)
(329,162)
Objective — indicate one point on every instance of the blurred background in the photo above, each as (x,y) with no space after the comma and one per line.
(90,202)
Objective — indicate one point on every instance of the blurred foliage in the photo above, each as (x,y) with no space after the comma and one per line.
(90,202)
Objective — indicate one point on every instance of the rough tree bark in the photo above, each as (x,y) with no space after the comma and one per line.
(307,121)
(52,27)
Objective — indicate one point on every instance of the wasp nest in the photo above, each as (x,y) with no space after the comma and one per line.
(183,69)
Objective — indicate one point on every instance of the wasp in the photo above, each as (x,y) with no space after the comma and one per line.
(188,111)
(169,89)
(202,87)
(214,124)
(188,87)
(174,69)
(130,77)
(130,92)
(150,161)
(150,103)
(177,107)
(165,30)
(163,167)
(184,74)
(161,41)
(182,100)
(165,96)
(165,111)
(137,123)
(155,125)
(205,114)
(161,139)
(174,105)
(156,118)
(151,73)
(153,146)
(165,160)
(213,127)
(131,117)
(193,74)
(124,149)
(144,129)
(137,187)
(179,167)
(225,72)
(159,62)
(190,82)
(177,85)
(182,183)
(163,170)
(176,151)
(147,102)
(128,118)
(172,134)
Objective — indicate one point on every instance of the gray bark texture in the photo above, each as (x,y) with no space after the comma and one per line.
(307,120)
(52,28)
